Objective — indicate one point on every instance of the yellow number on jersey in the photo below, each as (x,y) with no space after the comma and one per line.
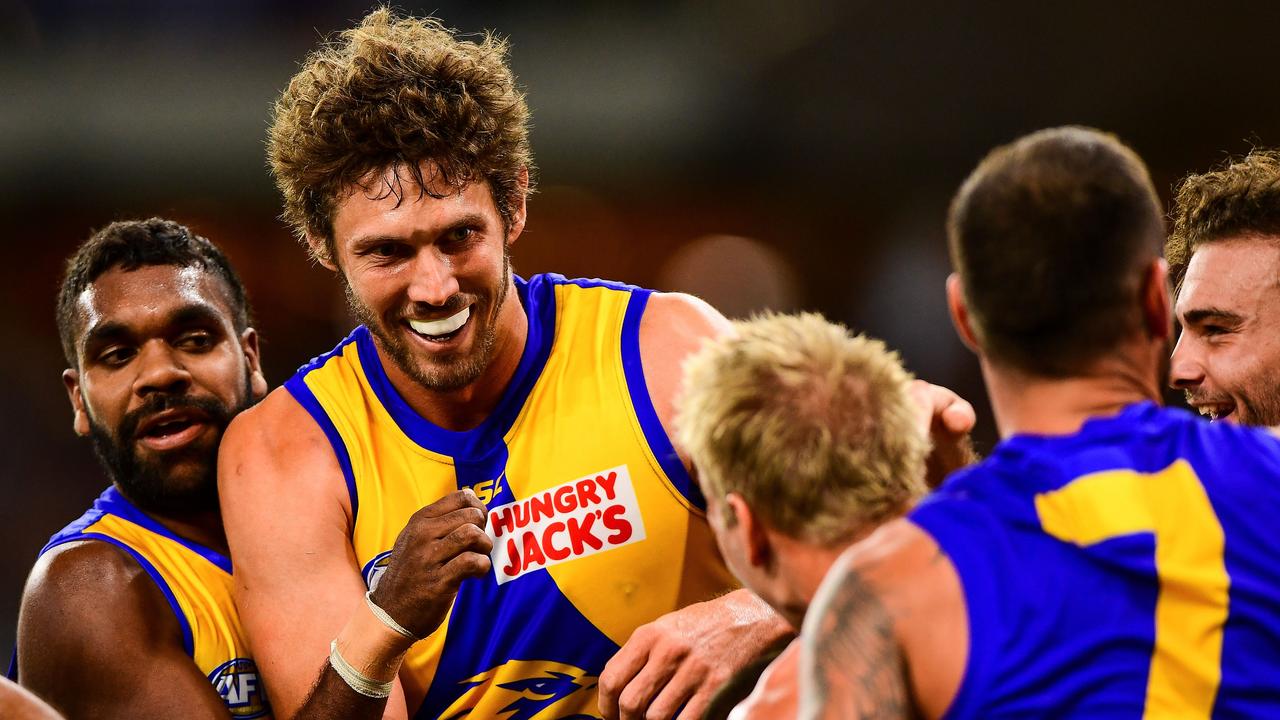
(1192,604)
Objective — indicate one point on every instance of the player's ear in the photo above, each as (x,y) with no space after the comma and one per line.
(960,312)
(249,346)
(755,541)
(518,206)
(320,250)
(80,420)
(1157,311)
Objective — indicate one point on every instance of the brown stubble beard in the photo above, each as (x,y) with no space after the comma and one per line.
(461,372)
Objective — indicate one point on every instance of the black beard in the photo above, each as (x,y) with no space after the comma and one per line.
(466,371)
(148,483)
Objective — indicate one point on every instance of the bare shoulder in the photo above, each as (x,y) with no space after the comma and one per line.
(89,607)
(74,586)
(674,326)
(278,426)
(274,448)
(887,628)
(680,318)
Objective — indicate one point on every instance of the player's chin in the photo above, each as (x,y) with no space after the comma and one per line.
(185,485)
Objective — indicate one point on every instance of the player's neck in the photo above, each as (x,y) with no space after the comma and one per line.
(203,527)
(1026,405)
(465,408)
(801,568)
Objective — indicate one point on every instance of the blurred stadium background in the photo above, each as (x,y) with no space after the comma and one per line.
(760,154)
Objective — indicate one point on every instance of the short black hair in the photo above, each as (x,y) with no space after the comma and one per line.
(132,244)
(1049,236)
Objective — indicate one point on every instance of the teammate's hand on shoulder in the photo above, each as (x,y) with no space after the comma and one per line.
(442,544)
(682,658)
(948,419)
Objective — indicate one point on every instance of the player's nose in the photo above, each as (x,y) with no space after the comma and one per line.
(1186,367)
(433,281)
(160,370)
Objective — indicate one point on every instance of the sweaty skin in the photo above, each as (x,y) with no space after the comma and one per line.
(302,588)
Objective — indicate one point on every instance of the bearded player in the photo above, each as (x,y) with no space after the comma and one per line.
(129,612)
(1110,558)
(1224,253)
(471,505)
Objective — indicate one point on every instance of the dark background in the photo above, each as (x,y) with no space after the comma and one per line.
(761,154)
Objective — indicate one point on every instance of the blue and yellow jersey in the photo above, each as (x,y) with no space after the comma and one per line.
(196,581)
(597,526)
(1128,571)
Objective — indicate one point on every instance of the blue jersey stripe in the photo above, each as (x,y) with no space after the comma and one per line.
(654,433)
(538,298)
(298,388)
(117,504)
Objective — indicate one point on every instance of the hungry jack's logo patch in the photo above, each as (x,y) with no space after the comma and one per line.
(593,514)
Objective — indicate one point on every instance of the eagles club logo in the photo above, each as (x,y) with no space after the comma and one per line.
(241,689)
(527,690)
(374,569)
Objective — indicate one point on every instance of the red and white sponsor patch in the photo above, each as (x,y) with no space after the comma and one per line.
(582,517)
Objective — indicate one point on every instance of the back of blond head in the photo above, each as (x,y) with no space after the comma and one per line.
(814,427)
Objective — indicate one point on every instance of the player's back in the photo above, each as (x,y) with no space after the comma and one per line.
(1127,571)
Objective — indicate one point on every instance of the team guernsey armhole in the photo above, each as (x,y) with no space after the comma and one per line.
(301,392)
(188,640)
(650,425)
(981,599)
(123,509)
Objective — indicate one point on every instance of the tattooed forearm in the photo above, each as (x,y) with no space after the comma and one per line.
(850,663)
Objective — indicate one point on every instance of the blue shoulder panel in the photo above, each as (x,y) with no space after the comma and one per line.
(654,433)
(301,392)
(113,502)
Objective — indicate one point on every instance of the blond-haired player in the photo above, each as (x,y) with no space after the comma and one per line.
(805,437)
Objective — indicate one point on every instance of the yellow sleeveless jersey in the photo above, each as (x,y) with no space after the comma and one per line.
(196,581)
(597,526)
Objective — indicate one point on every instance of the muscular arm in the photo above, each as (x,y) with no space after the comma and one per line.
(288,520)
(887,635)
(96,638)
(681,659)
(298,585)
(852,661)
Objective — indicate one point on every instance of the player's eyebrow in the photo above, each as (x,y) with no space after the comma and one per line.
(106,332)
(362,242)
(189,314)
(1199,315)
(195,314)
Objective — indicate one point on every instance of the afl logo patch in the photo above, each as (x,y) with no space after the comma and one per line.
(374,568)
(238,683)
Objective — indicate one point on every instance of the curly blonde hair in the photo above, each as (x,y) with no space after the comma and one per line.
(394,93)
(1242,197)
(813,426)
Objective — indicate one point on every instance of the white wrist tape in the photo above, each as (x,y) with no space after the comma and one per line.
(354,679)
